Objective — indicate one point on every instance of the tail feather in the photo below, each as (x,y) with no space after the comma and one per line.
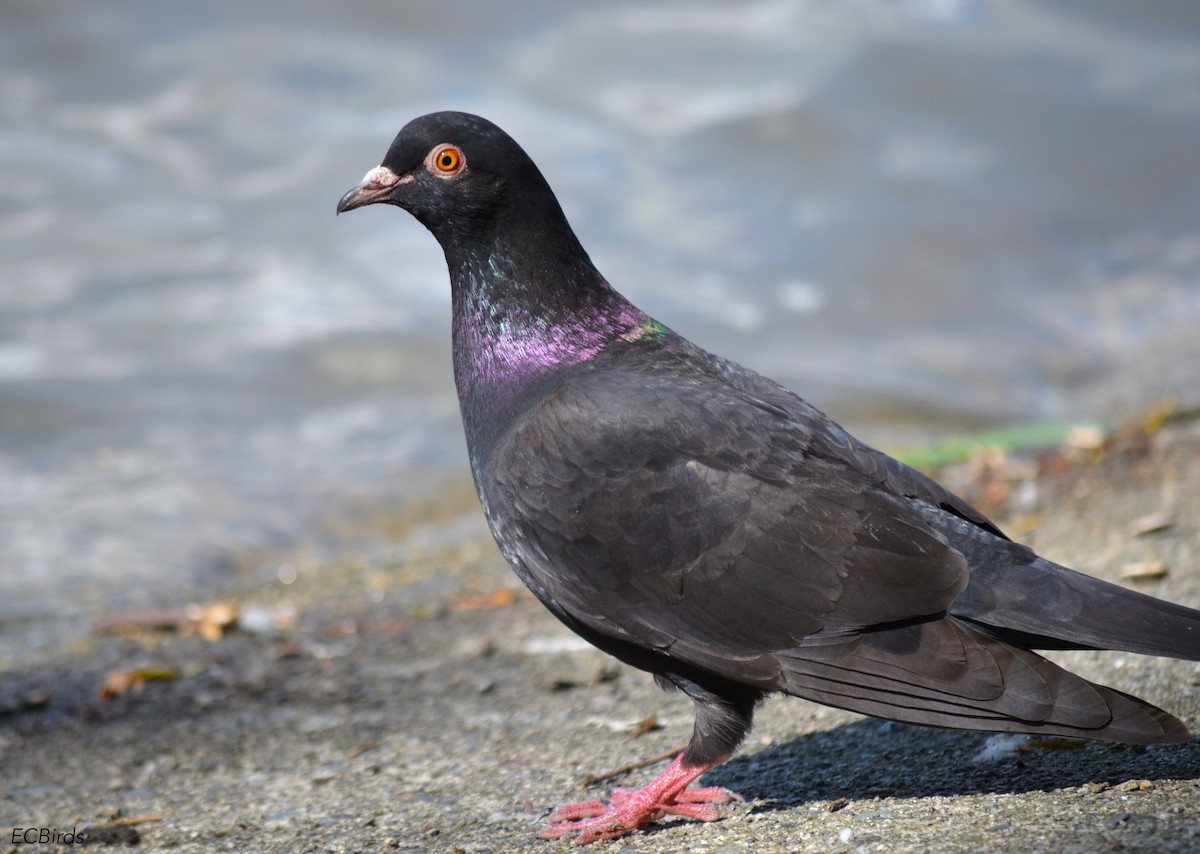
(944,673)
(1016,596)
(1045,602)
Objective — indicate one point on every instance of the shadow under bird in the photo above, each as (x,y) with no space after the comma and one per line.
(701,522)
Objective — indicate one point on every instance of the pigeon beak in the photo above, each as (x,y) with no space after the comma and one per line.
(375,187)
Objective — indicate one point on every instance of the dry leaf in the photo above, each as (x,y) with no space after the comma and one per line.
(500,598)
(209,621)
(1151,570)
(130,624)
(647,724)
(123,831)
(1151,523)
(119,682)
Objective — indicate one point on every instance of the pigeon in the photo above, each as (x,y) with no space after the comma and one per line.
(696,520)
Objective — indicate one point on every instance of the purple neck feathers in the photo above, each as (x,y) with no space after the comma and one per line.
(511,328)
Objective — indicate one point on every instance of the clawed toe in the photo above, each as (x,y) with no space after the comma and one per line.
(575,812)
(630,809)
(709,795)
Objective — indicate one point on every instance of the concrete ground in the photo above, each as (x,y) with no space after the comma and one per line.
(431,705)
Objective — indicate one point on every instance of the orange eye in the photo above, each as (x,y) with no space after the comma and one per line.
(446,160)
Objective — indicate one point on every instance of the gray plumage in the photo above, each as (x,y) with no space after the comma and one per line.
(701,522)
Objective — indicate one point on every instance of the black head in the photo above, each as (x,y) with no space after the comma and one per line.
(460,175)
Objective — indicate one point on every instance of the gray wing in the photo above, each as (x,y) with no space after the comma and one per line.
(711,526)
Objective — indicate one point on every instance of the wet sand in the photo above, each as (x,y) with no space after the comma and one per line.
(433,705)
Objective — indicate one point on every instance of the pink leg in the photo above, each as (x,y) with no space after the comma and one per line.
(629,809)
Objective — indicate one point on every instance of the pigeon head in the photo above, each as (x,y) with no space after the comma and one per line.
(462,177)
(527,300)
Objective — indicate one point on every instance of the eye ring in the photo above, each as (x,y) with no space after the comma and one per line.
(446,160)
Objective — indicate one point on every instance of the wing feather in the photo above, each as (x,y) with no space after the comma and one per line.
(676,509)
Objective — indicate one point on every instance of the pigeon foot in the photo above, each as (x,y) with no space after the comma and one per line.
(630,809)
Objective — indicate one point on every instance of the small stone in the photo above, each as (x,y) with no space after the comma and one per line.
(1094,788)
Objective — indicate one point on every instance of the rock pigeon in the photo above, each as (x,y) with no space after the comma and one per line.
(701,522)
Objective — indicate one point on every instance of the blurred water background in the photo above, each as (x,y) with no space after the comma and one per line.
(927,216)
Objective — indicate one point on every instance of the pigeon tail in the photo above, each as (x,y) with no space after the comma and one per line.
(945,673)
(1019,597)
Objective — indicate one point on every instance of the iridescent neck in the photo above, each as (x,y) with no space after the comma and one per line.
(508,330)
(511,332)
